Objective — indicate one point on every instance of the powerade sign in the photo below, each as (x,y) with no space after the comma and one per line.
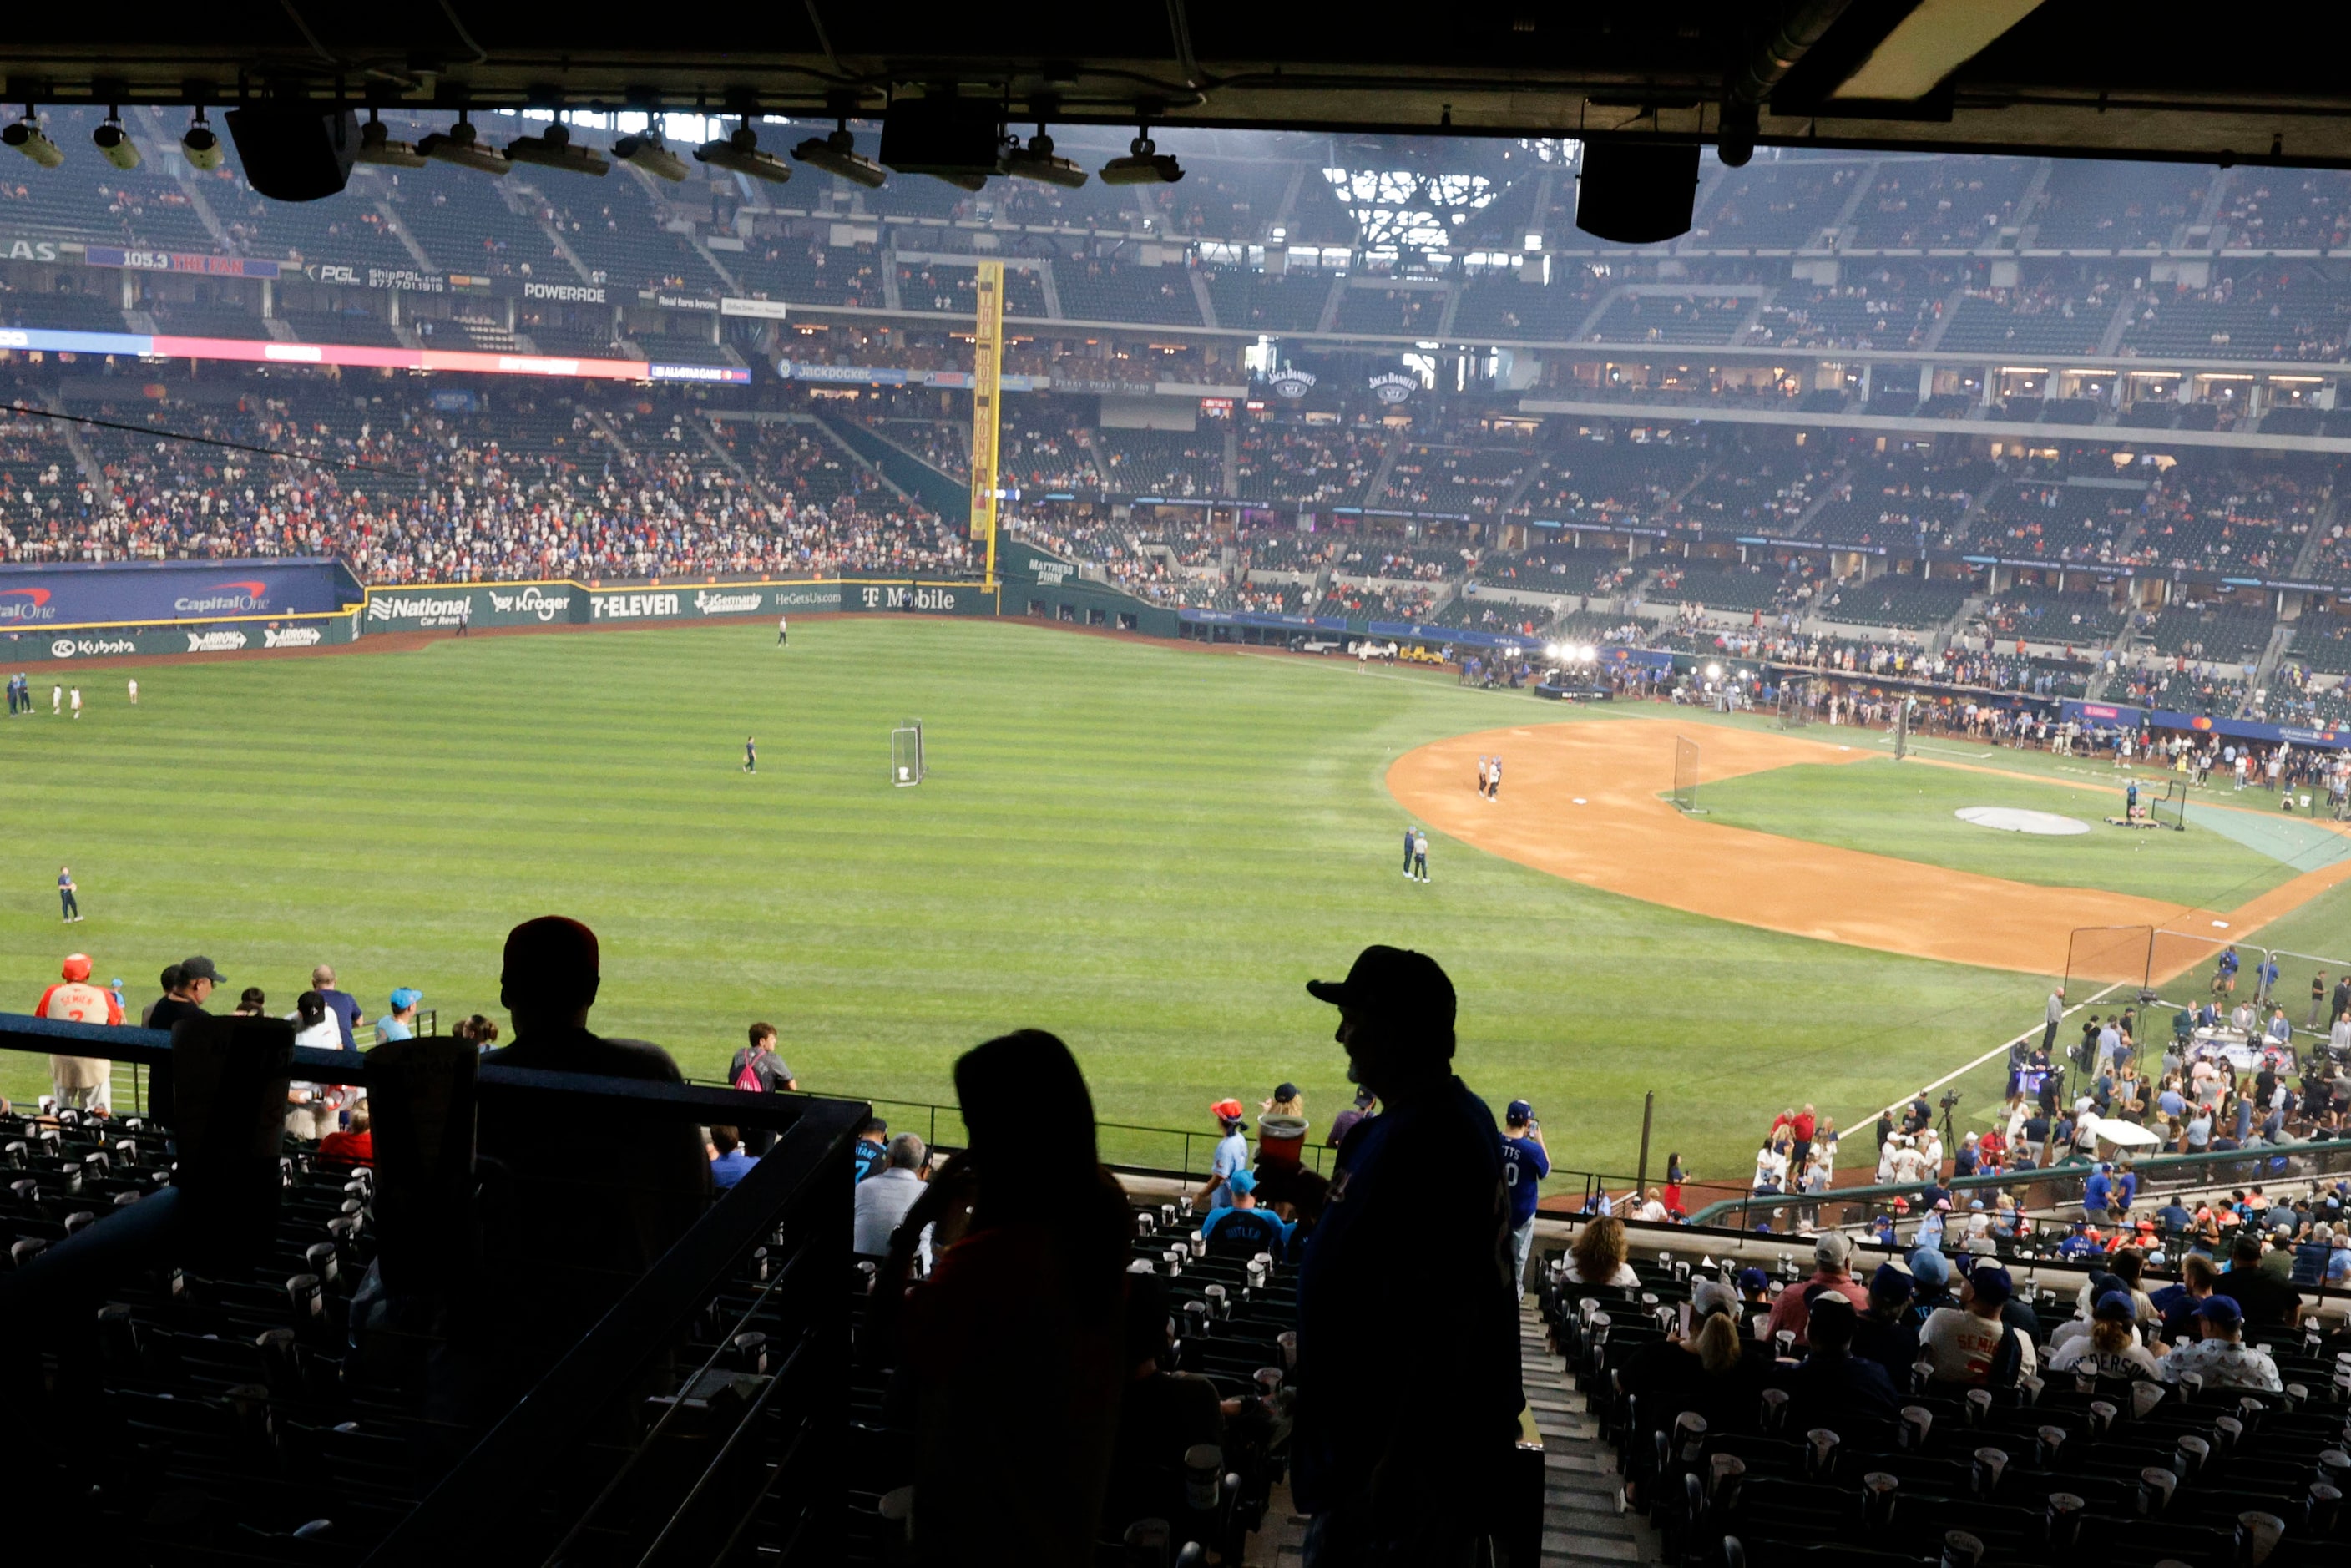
(146,591)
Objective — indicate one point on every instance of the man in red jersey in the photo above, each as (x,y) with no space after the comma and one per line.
(79,1081)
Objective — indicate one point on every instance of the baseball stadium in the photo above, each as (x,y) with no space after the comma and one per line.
(593,657)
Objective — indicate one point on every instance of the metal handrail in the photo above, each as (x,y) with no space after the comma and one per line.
(2260,1162)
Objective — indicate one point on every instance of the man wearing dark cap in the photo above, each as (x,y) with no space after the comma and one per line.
(183,996)
(2220,1355)
(1413,1249)
(597,1194)
(1344,1122)
(1833,1383)
(1883,1333)
(1525,1162)
(1970,1345)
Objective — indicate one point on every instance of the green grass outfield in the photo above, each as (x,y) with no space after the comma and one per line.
(1145,847)
(1904,809)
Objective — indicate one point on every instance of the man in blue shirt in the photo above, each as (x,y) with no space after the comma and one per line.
(1231,1155)
(1525,1162)
(2095,1195)
(1412,1250)
(728,1163)
(400,1023)
(873,1143)
(1243,1229)
(2081,1244)
(343,1006)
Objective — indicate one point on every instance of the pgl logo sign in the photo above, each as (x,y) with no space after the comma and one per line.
(1290,382)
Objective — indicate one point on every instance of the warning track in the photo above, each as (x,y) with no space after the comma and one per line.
(1626,839)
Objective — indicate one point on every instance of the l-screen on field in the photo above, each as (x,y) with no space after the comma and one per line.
(1145,848)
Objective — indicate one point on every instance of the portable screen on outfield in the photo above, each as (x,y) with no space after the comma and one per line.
(906,753)
(1685,759)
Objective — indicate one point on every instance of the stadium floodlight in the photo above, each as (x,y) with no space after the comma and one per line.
(114,144)
(1036,162)
(741,154)
(836,155)
(25,137)
(1143,164)
(461,145)
(552,148)
(1714,671)
(200,146)
(647,151)
(377,146)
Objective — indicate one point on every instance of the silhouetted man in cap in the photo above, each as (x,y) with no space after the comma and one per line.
(1396,1457)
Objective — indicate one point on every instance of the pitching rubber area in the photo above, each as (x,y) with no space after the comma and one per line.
(1587,802)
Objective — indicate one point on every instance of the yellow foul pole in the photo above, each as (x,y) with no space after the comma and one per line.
(986,370)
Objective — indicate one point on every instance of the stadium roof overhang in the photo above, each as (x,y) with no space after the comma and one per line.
(2159,79)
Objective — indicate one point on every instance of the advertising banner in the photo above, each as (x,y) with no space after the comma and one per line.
(714,600)
(2119,715)
(33,598)
(498,604)
(21,648)
(919,598)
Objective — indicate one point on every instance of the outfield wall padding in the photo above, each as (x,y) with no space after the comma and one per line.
(67,596)
(257,636)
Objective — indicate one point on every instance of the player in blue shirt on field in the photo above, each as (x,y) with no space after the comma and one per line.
(1525,1162)
(1241,1228)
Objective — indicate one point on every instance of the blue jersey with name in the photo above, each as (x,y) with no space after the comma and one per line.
(1524,1165)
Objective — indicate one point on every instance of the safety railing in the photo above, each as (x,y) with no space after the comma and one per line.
(751,1456)
(2054,1186)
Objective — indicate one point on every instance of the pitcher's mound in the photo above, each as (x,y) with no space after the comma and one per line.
(2010,820)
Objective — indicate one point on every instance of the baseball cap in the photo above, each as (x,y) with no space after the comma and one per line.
(1927,1267)
(1285,1091)
(1712,1296)
(1241,1181)
(1833,1250)
(200,968)
(1889,1283)
(2114,1307)
(1518,1111)
(1752,1278)
(2222,1310)
(76,967)
(406,996)
(1226,1109)
(1992,1284)
(1403,988)
(1363,1095)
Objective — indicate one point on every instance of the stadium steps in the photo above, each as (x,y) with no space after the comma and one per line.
(1580,1522)
(1581,1526)
(92,472)
(168,154)
(2281,638)
(2305,560)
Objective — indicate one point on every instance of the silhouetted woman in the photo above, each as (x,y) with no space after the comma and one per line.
(1014,1347)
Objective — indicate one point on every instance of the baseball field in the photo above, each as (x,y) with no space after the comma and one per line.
(1145,848)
